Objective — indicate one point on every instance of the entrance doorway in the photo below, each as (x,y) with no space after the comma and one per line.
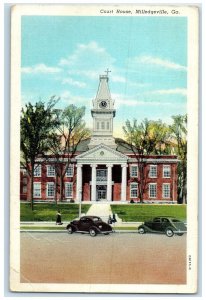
(101,192)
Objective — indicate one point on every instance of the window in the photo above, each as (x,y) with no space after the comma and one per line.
(69,172)
(50,189)
(103,125)
(133,190)
(24,180)
(133,171)
(157,220)
(97,125)
(107,125)
(152,190)
(37,171)
(166,171)
(101,174)
(50,171)
(153,171)
(24,191)
(68,189)
(166,190)
(37,189)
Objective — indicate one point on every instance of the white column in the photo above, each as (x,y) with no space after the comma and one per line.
(124,182)
(94,180)
(79,183)
(109,182)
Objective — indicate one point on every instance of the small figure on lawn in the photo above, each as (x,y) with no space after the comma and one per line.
(109,220)
(58,218)
(114,220)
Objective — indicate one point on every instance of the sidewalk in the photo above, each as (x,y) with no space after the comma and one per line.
(52,227)
(103,210)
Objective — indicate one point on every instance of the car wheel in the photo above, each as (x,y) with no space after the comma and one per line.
(141,230)
(169,232)
(180,234)
(92,232)
(70,230)
(107,233)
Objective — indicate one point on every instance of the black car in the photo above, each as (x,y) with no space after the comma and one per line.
(89,224)
(167,225)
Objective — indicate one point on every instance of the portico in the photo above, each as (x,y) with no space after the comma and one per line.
(101,161)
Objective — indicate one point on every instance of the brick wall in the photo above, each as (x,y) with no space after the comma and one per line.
(116,178)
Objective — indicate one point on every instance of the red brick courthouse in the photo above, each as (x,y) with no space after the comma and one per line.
(104,168)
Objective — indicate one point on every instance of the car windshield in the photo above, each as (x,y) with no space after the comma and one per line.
(96,219)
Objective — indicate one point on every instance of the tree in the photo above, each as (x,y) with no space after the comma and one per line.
(178,133)
(149,137)
(38,125)
(71,131)
(159,132)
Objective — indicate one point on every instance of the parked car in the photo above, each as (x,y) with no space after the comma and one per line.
(167,225)
(89,224)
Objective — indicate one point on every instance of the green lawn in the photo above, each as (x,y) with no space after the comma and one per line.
(128,212)
(143,212)
(47,211)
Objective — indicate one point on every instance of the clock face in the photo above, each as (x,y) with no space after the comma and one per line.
(103,104)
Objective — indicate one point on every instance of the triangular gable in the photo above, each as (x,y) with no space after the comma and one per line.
(101,153)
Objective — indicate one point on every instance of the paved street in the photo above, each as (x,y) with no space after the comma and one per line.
(117,258)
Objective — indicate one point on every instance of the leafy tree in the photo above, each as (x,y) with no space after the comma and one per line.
(38,124)
(178,133)
(71,131)
(145,139)
(159,133)
(155,137)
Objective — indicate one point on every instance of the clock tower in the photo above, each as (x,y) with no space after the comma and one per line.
(103,113)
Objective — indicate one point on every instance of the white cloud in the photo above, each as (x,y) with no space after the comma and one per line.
(40,68)
(92,46)
(73,82)
(115,77)
(156,61)
(88,60)
(91,74)
(143,103)
(118,78)
(84,52)
(138,84)
(121,100)
(68,98)
(170,92)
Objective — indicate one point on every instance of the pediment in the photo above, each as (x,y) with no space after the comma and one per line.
(101,154)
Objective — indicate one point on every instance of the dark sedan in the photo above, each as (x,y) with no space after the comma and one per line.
(89,224)
(167,225)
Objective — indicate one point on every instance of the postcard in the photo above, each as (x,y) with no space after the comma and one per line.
(104,148)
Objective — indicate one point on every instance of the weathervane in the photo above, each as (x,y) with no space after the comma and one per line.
(107,71)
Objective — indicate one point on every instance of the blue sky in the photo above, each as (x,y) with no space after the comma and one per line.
(147,56)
